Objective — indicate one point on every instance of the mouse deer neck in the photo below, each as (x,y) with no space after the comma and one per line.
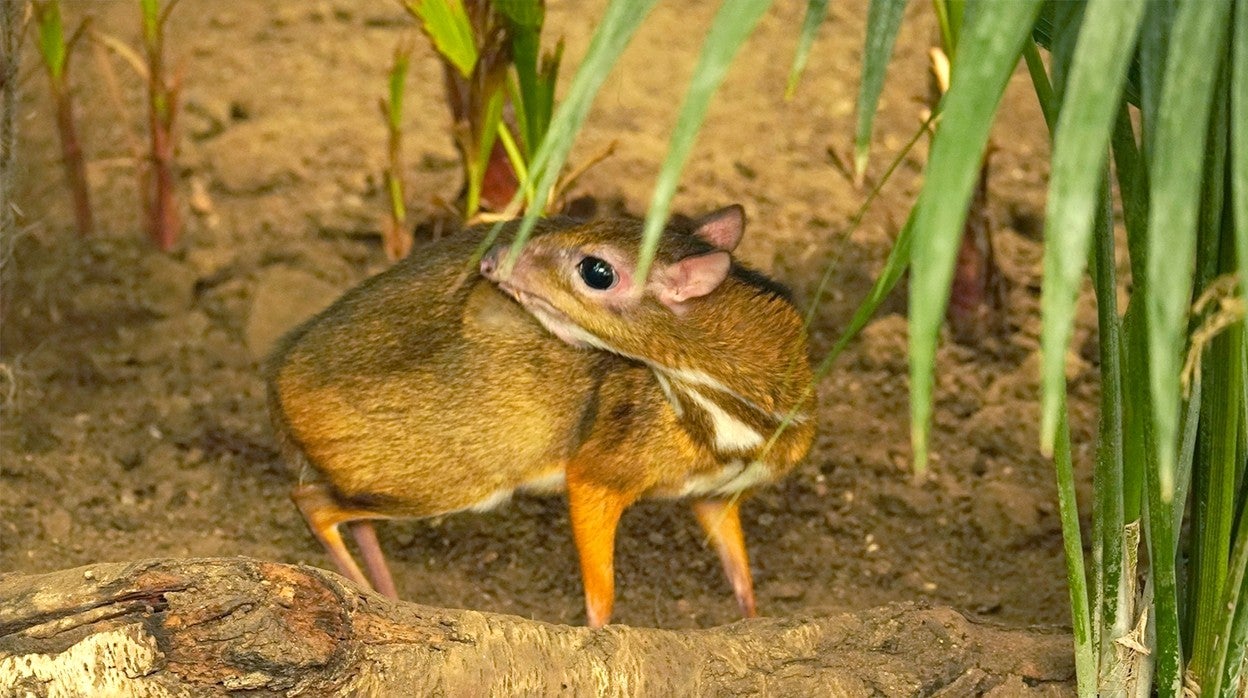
(733,368)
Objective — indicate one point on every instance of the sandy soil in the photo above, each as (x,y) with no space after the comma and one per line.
(134,420)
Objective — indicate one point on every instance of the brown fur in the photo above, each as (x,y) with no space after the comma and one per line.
(746,335)
(410,397)
(422,402)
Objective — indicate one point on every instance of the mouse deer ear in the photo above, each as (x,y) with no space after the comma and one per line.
(691,277)
(723,228)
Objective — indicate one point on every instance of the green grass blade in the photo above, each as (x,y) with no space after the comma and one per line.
(1154,39)
(1232,652)
(1214,482)
(816,10)
(1187,455)
(1168,652)
(525,18)
(615,28)
(894,267)
(398,85)
(150,11)
(1177,158)
(991,44)
(51,33)
(1044,34)
(478,160)
(1199,38)
(1040,81)
(1112,585)
(1133,190)
(1076,578)
(1239,145)
(883,22)
(732,25)
(1067,24)
(1214,490)
(446,24)
(1097,73)
(942,22)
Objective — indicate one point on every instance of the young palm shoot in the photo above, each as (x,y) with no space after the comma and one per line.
(473,40)
(55,52)
(501,90)
(395,238)
(163,92)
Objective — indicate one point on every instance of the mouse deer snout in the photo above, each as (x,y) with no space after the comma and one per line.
(492,262)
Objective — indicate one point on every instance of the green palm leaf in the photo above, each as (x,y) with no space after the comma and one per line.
(732,25)
(993,38)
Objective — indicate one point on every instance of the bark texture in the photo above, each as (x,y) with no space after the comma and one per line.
(216,626)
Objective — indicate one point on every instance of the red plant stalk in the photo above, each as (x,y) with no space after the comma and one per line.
(976,296)
(164,222)
(500,183)
(71,158)
(56,52)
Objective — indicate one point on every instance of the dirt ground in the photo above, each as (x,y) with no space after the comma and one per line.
(134,419)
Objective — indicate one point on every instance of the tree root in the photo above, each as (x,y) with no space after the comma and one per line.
(173,627)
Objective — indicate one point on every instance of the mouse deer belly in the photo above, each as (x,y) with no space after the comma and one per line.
(432,456)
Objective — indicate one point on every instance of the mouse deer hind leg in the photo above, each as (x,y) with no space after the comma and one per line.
(324,514)
(721,520)
(374,559)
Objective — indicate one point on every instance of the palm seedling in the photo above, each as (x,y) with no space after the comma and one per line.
(55,52)
(500,88)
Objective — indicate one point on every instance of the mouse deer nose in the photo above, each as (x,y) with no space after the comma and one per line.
(492,262)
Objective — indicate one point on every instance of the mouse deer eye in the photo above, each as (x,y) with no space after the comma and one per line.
(597,273)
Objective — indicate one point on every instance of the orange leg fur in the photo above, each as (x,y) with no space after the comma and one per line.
(595,511)
(324,515)
(722,522)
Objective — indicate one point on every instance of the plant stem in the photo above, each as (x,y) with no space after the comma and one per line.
(71,158)
(517,160)
(55,53)
(1068,508)
(1107,511)
(1133,191)
(164,223)
(1233,635)
(1168,652)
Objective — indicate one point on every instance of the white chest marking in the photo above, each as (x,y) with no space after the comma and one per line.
(733,431)
(730,479)
(731,434)
(695,377)
(670,394)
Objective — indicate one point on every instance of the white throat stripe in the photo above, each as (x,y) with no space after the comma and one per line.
(731,434)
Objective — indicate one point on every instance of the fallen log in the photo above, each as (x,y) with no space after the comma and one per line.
(173,627)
